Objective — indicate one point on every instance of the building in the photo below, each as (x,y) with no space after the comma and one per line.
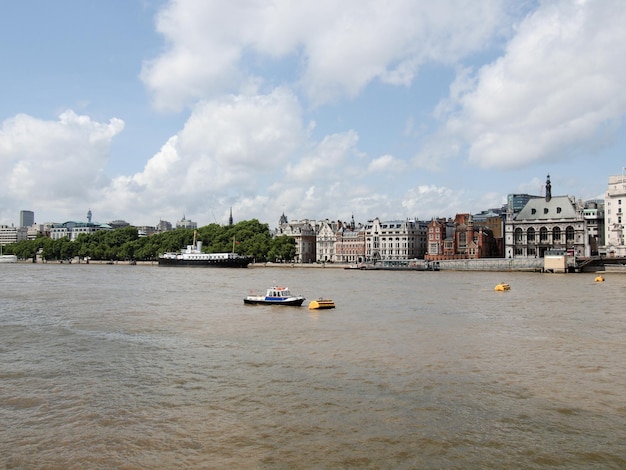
(145,230)
(614,204)
(325,239)
(593,214)
(115,224)
(73,229)
(303,232)
(35,230)
(394,240)
(460,238)
(350,243)
(8,235)
(493,221)
(186,223)
(546,223)
(27,218)
(163,226)
(440,239)
(516,202)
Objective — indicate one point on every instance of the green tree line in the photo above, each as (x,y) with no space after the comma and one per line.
(249,237)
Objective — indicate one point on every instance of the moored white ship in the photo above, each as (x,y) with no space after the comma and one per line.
(192,256)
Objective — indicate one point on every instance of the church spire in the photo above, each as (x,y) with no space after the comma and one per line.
(230,218)
(548,189)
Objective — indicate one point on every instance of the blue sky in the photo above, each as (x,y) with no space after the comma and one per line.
(150,110)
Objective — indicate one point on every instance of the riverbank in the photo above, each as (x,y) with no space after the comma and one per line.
(489,265)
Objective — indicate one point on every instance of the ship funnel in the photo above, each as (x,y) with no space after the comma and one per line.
(199,246)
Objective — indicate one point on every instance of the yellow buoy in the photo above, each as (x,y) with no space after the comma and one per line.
(599,279)
(321,304)
(502,287)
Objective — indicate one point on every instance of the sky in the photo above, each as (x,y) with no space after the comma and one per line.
(149,110)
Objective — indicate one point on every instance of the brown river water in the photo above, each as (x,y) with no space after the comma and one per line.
(141,367)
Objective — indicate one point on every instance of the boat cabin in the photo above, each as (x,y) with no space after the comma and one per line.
(278,292)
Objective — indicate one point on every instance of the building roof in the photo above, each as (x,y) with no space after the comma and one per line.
(558,207)
(73,224)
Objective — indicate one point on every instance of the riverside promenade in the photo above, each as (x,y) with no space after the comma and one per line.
(533,265)
(487,264)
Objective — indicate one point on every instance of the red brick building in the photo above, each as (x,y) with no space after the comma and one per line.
(459,239)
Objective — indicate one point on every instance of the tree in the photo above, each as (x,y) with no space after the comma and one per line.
(282,248)
(249,237)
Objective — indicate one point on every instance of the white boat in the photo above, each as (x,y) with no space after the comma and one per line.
(275,296)
(193,256)
(7,258)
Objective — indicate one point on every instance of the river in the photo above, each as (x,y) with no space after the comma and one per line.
(145,367)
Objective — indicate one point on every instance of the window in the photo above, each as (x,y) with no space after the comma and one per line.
(530,235)
(533,211)
(545,210)
(556,235)
(558,210)
(543,234)
(569,233)
(518,235)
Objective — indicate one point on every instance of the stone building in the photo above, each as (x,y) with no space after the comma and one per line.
(546,223)
(186,223)
(325,241)
(163,226)
(614,206)
(593,214)
(303,231)
(394,240)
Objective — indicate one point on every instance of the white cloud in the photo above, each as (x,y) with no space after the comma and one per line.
(327,159)
(340,46)
(428,201)
(389,41)
(253,153)
(556,93)
(233,145)
(59,163)
(386,164)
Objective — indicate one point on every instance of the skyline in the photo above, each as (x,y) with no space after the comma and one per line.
(151,110)
(88,216)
